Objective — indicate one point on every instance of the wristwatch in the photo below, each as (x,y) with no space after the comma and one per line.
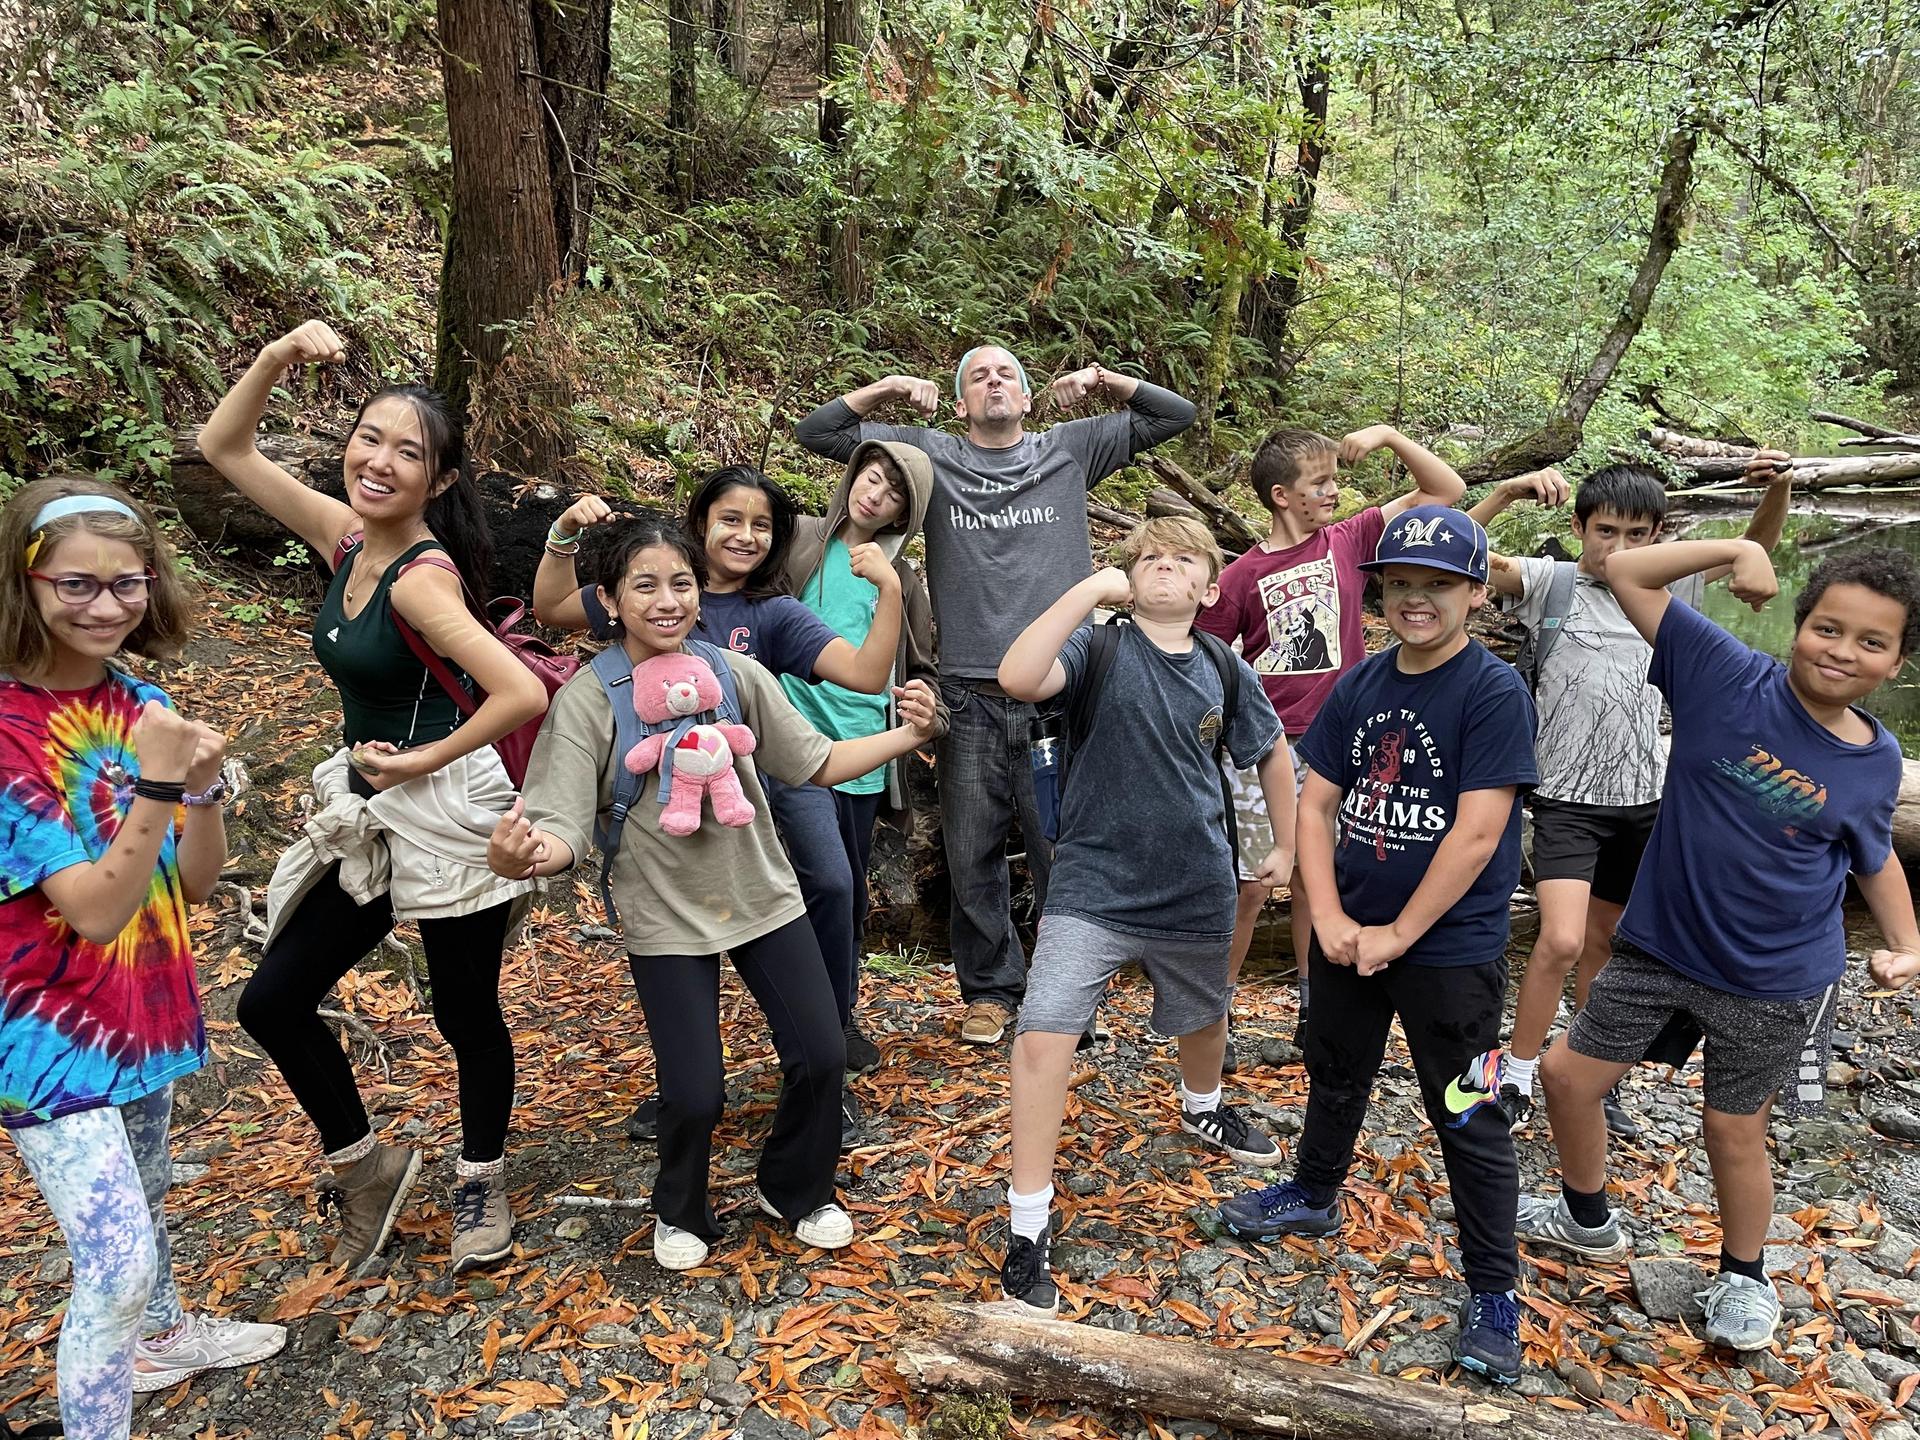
(218,793)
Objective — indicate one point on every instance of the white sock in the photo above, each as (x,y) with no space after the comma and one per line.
(467,1169)
(1198,1104)
(1030,1212)
(1520,1072)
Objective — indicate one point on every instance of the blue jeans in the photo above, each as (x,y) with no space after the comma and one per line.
(828,837)
(986,779)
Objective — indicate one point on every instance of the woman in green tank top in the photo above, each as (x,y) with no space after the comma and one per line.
(428,782)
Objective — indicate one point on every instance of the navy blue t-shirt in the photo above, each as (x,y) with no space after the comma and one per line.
(1402,749)
(777,630)
(1143,825)
(1765,812)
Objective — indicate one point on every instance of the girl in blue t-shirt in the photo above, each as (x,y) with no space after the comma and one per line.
(99,1010)
(744,523)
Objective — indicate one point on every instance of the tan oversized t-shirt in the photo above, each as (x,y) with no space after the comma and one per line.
(678,895)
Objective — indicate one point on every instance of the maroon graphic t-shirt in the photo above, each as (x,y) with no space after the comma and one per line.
(1296,613)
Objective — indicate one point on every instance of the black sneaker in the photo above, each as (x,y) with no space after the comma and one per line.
(644,1122)
(1489,1343)
(1227,1129)
(1519,1107)
(862,1053)
(1025,1279)
(849,1120)
(1619,1123)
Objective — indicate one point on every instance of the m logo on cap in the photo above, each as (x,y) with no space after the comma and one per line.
(1419,534)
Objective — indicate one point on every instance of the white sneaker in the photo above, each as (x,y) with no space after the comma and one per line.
(677,1249)
(828,1228)
(1742,1313)
(205,1342)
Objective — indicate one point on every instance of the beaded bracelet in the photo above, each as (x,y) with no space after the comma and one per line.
(167,792)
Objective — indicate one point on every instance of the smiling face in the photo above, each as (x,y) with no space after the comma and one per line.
(1607,530)
(1427,609)
(96,630)
(1848,644)
(739,535)
(1313,495)
(990,389)
(657,602)
(1171,582)
(876,498)
(389,473)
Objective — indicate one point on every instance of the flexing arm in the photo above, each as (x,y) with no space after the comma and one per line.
(228,441)
(1435,481)
(1543,487)
(850,759)
(867,668)
(1319,817)
(1639,577)
(1474,836)
(556,583)
(1891,902)
(1031,669)
(833,430)
(202,850)
(1770,515)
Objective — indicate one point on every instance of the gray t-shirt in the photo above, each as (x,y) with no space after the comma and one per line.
(1143,841)
(1599,740)
(1007,529)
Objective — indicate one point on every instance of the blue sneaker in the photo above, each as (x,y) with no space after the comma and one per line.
(1489,1343)
(1283,1209)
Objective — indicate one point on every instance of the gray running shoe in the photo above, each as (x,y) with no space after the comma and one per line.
(1742,1313)
(1544,1221)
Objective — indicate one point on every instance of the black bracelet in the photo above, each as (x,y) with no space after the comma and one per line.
(167,792)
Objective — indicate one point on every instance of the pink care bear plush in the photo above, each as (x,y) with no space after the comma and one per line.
(669,691)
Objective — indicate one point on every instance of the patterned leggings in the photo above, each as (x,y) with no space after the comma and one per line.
(104,1174)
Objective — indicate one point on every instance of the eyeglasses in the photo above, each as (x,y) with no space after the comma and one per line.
(132,590)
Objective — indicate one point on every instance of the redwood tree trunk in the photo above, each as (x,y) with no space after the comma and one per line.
(572,38)
(503,254)
(1275,296)
(683,96)
(840,233)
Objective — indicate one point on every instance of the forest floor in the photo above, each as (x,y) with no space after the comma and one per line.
(580,1333)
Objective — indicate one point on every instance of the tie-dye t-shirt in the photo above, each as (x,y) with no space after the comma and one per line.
(83,1025)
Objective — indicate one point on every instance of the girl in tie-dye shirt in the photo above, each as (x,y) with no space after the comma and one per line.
(99,1013)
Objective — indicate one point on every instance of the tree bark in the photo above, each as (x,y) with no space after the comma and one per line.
(1722,460)
(1847,422)
(728,30)
(503,255)
(1276,296)
(1230,527)
(990,1351)
(683,96)
(839,232)
(572,38)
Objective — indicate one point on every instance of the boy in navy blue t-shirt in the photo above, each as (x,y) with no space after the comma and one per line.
(1409,843)
(1777,787)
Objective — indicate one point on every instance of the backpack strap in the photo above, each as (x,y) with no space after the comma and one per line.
(615,673)
(1085,702)
(1228,664)
(716,658)
(1559,605)
(436,664)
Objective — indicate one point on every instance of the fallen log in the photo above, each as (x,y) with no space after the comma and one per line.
(1847,422)
(1812,472)
(1906,816)
(994,1352)
(1234,531)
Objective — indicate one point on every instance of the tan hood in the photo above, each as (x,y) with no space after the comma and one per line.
(914,464)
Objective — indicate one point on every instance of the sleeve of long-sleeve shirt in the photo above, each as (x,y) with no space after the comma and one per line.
(835,430)
(1106,442)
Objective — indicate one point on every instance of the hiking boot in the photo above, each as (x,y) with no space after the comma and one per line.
(677,1249)
(1742,1313)
(1489,1341)
(1547,1221)
(1283,1209)
(862,1053)
(1225,1128)
(1518,1106)
(482,1222)
(1025,1278)
(828,1228)
(849,1120)
(367,1196)
(203,1342)
(644,1122)
(1619,1123)
(986,1022)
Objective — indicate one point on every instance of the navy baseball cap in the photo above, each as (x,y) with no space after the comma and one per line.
(1436,536)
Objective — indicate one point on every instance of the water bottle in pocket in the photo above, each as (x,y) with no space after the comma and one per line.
(1045,744)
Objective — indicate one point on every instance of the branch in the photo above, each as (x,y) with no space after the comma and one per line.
(1847,422)
(1780,182)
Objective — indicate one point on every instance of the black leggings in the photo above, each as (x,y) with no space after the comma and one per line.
(1449,1015)
(680,995)
(328,934)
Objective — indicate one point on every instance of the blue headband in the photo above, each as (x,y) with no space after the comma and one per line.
(79,505)
(960,371)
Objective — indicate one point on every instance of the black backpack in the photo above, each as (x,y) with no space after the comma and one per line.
(1081,710)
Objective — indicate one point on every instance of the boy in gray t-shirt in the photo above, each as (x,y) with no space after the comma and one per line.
(1602,757)
(1143,870)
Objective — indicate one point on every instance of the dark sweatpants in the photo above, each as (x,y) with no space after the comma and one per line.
(1450,1015)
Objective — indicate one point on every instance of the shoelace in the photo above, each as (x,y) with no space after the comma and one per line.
(1233,1126)
(330,1197)
(1284,1195)
(470,1205)
(1735,1302)
(1026,1264)
(1496,1311)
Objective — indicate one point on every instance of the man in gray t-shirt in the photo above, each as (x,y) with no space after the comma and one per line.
(1006,536)
(1602,758)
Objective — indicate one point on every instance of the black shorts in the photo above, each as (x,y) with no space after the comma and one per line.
(1600,844)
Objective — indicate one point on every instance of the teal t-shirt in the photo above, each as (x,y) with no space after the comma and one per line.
(846,603)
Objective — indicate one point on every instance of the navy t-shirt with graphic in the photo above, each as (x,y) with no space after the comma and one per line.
(1765,812)
(1402,749)
(777,630)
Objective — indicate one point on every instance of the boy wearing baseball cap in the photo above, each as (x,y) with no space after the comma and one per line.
(1409,844)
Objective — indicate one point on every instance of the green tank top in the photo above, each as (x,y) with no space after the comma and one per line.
(386,692)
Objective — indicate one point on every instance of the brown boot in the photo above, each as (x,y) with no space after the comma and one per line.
(482,1223)
(367,1196)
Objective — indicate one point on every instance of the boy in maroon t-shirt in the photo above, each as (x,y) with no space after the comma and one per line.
(1293,601)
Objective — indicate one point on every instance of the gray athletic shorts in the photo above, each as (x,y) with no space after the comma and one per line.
(1074,959)
(1753,1047)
